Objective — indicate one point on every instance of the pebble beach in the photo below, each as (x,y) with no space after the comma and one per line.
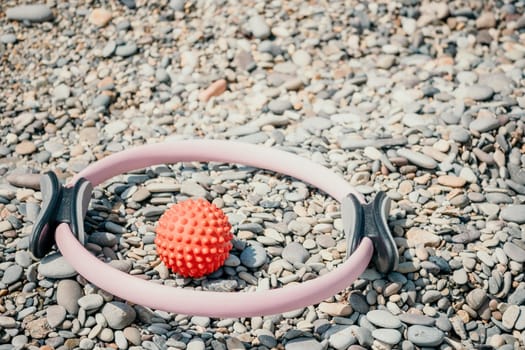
(422,100)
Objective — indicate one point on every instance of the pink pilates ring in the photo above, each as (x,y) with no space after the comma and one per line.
(63,209)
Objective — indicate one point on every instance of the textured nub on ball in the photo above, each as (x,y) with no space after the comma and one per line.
(193,238)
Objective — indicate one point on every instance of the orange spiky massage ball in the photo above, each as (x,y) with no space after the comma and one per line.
(193,238)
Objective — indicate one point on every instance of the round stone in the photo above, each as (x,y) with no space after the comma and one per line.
(253,256)
(118,315)
(294,252)
(12,274)
(514,252)
(514,213)
(55,314)
(383,318)
(425,336)
(388,336)
(68,294)
(91,302)
(55,266)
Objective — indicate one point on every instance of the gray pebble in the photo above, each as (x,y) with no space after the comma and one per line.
(258,27)
(8,39)
(417,158)
(121,340)
(195,344)
(253,256)
(91,302)
(126,50)
(477,92)
(23,258)
(484,124)
(61,92)
(55,315)
(383,318)
(201,321)
(177,5)
(476,298)
(109,49)
(193,189)
(31,13)
(102,100)
(279,106)
(514,213)
(510,316)
(56,266)
(12,274)
(118,315)
(388,336)
(68,293)
(416,319)
(460,135)
(425,336)
(103,239)
(358,303)
(460,276)
(514,252)
(294,252)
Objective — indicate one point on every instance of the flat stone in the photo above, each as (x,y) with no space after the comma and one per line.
(388,336)
(103,239)
(476,298)
(25,148)
(68,294)
(510,316)
(55,314)
(425,336)
(417,158)
(430,296)
(7,322)
(253,256)
(31,13)
(514,252)
(303,343)
(460,135)
(476,92)
(335,309)
(132,334)
(383,318)
(514,213)
(118,315)
(416,319)
(91,302)
(358,303)
(451,181)
(55,266)
(193,189)
(460,277)
(416,236)
(484,124)
(109,49)
(279,106)
(127,50)
(12,274)
(195,344)
(294,252)
(101,100)
(341,338)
